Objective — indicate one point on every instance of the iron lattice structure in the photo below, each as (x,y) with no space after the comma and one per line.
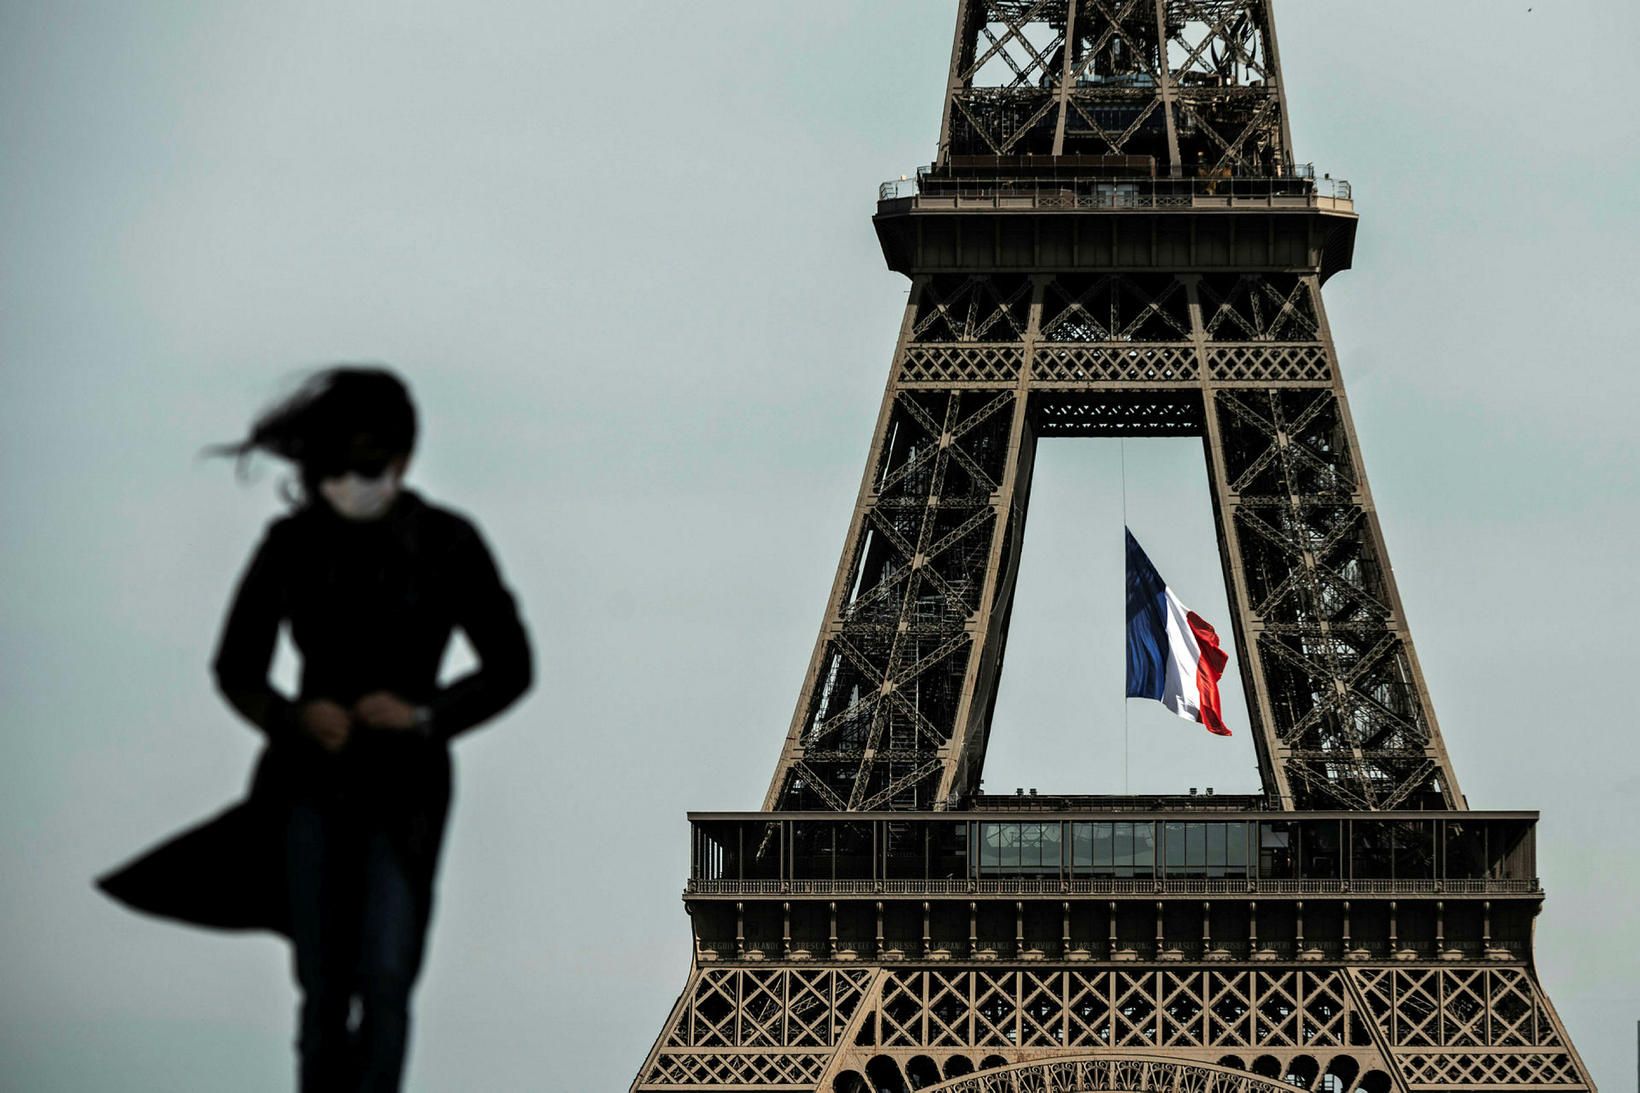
(1114,239)
(1049,1030)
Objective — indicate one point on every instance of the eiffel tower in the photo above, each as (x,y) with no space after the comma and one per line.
(1113,240)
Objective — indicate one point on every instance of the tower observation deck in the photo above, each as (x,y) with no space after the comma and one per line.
(1113,239)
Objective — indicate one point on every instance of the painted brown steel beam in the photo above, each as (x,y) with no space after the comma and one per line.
(1084,303)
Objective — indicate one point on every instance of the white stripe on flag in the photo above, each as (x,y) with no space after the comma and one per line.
(1182,694)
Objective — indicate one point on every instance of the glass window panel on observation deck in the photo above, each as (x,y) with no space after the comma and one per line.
(1275,850)
(1235,836)
(1050,849)
(1217,857)
(1173,837)
(990,847)
(1104,850)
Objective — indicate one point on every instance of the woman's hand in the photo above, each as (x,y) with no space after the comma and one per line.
(385,710)
(326,723)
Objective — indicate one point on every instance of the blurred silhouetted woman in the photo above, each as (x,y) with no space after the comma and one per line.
(337,843)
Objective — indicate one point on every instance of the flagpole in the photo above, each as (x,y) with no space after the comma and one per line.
(1121,447)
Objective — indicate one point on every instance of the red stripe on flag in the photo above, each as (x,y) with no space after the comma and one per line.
(1208,670)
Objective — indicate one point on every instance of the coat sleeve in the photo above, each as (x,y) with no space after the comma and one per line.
(244,653)
(488,615)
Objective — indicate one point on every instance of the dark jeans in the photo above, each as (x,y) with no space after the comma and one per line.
(358,948)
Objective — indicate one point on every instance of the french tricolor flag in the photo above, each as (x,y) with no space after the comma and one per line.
(1173,655)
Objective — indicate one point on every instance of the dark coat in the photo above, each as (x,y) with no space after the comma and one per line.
(371,607)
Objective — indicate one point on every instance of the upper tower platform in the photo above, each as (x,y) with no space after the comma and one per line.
(1033,217)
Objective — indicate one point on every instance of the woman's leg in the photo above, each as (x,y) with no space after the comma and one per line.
(322,933)
(390,950)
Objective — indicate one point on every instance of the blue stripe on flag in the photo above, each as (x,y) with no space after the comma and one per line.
(1146,625)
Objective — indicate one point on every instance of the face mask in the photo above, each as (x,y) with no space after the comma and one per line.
(355,497)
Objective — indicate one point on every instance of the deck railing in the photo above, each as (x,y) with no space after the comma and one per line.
(1190,950)
(1112,886)
(930,192)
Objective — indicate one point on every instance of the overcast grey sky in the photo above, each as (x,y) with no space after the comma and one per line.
(623,252)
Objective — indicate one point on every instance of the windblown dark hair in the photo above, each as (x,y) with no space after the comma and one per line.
(314,425)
